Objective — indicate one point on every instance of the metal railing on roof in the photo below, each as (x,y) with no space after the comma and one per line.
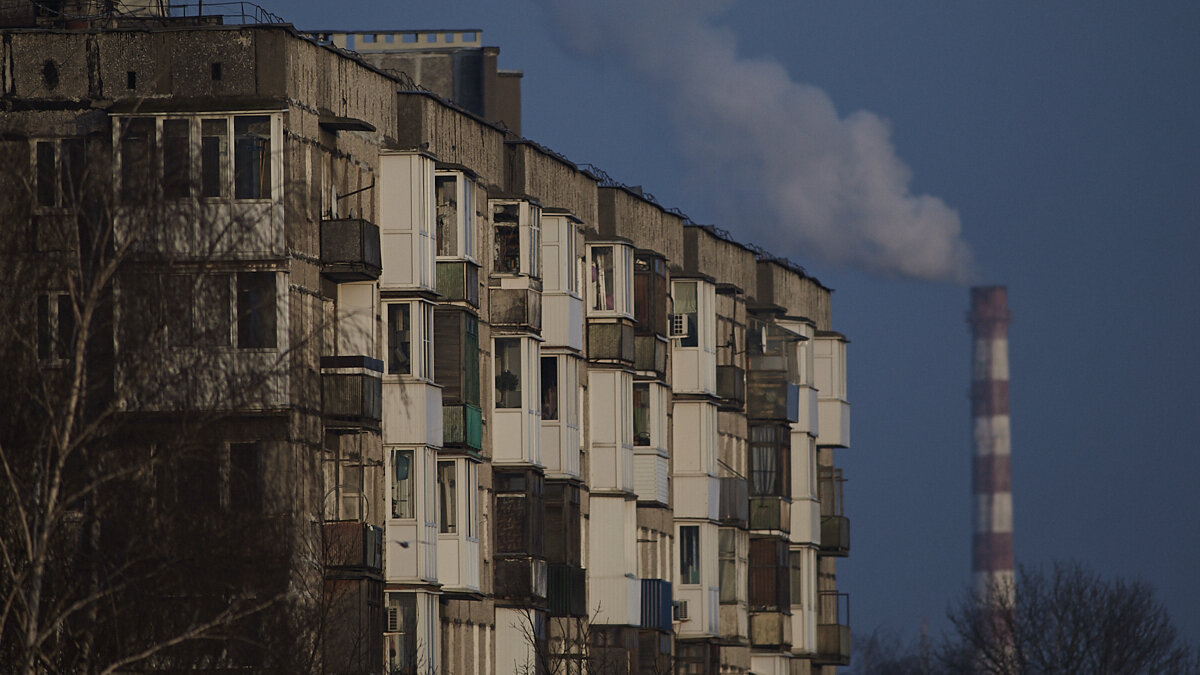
(230,12)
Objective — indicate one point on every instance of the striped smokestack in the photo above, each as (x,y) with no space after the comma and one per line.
(992,550)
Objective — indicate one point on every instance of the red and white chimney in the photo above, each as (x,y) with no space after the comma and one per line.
(992,550)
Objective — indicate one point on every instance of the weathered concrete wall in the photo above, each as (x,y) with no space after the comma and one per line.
(726,261)
(623,213)
(800,295)
(553,181)
(452,135)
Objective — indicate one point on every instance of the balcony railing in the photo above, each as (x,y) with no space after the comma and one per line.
(650,354)
(833,629)
(735,500)
(353,544)
(462,425)
(656,604)
(458,281)
(771,396)
(350,250)
(352,390)
(835,536)
(771,513)
(731,386)
(610,341)
(566,590)
(516,307)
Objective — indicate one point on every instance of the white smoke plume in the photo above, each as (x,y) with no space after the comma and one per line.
(799,179)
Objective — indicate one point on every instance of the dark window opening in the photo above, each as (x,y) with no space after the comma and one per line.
(177,159)
(689,554)
(256,310)
(137,160)
(214,153)
(252,157)
(549,387)
(641,414)
(131,80)
(216,71)
(508,372)
(245,477)
(45,174)
(507,258)
(399,339)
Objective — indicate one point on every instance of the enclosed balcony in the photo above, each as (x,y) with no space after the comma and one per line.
(833,629)
(350,250)
(458,281)
(731,386)
(520,580)
(352,391)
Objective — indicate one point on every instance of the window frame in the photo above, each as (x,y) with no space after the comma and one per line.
(420,340)
(227,152)
(397,487)
(528,241)
(690,556)
(54,347)
(622,277)
(464,215)
(60,172)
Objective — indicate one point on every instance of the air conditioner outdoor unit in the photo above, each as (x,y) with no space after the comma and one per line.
(679,610)
(679,326)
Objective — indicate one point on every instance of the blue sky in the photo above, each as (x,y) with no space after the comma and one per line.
(1064,141)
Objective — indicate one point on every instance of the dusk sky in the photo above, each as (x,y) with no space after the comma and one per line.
(901,152)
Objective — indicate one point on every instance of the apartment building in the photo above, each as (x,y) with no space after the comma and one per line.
(544,423)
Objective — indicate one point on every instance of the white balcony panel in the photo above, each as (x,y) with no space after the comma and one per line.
(516,435)
(615,600)
(834,423)
(650,477)
(695,440)
(412,412)
(405,186)
(807,416)
(458,562)
(610,409)
(562,321)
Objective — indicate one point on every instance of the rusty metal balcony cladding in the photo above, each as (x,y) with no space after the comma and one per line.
(352,391)
(650,355)
(350,250)
(516,308)
(771,513)
(458,281)
(353,545)
(835,536)
(610,341)
(833,629)
(462,426)
(731,386)
(735,501)
(566,590)
(771,396)
(657,603)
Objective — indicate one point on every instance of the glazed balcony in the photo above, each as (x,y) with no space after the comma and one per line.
(458,281)
(835,536)
(350,250)
(352,391)
(833,629)
(771,630)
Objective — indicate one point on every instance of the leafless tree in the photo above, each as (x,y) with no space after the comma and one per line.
(1068,621)
(115,552)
